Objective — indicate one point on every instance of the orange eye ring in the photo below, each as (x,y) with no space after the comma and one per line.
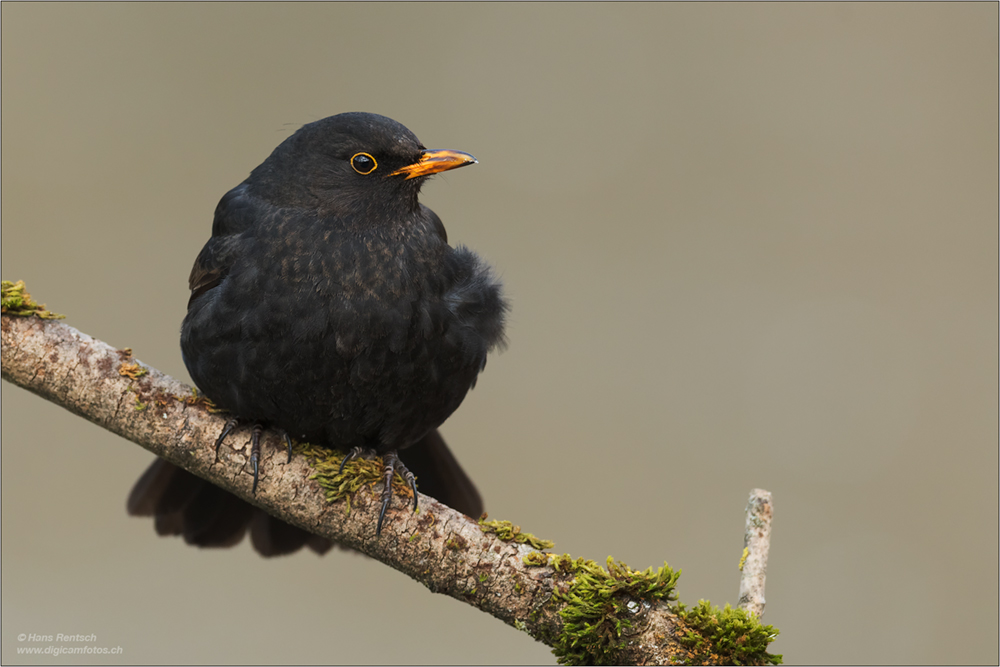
(363,163)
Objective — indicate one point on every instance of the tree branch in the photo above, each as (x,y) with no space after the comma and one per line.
(588,614)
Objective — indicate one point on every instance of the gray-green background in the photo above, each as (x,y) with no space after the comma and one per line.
(746,245)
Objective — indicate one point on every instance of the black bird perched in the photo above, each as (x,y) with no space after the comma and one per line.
(328,305)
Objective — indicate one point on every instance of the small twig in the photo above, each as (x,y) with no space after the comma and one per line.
(756,543)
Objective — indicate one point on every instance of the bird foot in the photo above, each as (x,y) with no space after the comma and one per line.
(256,428)
(392,466)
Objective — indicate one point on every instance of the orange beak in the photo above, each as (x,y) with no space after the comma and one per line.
(433,162)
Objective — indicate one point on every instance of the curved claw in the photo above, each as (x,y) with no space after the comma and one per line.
(386,499)
(254,463)
(231,424)
(413,487)
(351,455)
(288,441)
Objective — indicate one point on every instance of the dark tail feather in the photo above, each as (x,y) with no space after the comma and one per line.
(439,475)
(274,537)
(162,491)
(215,518)
(207,516)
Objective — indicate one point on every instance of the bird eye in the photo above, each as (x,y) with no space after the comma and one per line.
(363,163)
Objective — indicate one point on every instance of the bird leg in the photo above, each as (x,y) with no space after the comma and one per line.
(392,466)
(256,428)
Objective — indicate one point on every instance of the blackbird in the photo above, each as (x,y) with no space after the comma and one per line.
(328,306)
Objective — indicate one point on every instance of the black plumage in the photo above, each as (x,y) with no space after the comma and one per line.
(329,305)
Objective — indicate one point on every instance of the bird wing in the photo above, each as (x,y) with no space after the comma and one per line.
(213,264)
(234,219)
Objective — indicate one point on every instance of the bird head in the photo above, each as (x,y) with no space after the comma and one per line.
(351,164)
